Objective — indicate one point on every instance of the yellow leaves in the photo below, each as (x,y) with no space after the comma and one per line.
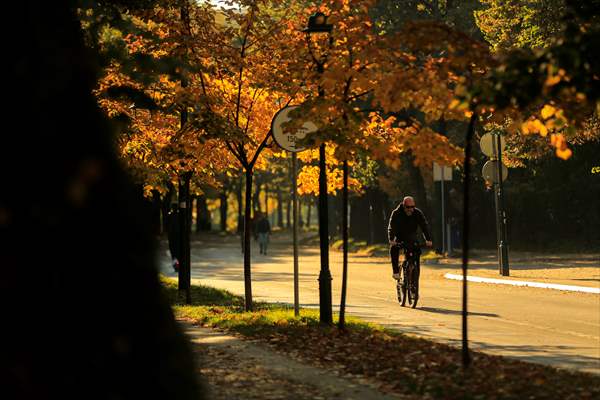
(562,151)
(552,120)
(548,111)
(554,79)
(393,163)
(454,104)
(534,125)
(308,176)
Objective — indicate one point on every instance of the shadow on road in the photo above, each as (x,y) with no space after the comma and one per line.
(454,312)
(544,354)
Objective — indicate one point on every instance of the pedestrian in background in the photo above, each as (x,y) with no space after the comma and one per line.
(263,230)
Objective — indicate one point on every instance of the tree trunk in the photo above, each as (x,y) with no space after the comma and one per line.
(310,201)
(166,205)
(267,200)
(466,357)
(203,221)
(156,213)
(223,210)
(279,209)
(184,276)
(417,183)
(247,235)
(341,322)
(256,198)
(371,237)
(240,222)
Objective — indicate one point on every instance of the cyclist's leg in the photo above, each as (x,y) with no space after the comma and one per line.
(395,255)
(404,267)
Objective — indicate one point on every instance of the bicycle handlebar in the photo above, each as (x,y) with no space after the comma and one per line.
(415,244)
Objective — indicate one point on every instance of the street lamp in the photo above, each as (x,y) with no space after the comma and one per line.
(317,24)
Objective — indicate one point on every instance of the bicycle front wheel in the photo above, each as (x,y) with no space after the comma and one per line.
(401,292)
(412,286)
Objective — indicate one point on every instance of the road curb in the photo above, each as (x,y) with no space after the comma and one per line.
(583,289)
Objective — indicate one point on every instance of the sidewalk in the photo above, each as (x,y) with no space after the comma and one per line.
(233,368)
(549,269)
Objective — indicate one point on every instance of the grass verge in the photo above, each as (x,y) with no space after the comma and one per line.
(396,363)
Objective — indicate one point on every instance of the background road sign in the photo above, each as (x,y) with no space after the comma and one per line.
(286,138)
(489,141)
(441,173)
(490,171)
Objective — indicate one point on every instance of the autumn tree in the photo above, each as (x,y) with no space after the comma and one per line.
(520,23)
(240,50)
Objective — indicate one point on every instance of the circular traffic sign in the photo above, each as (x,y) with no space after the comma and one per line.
(287,138)
(490,171)
(489,144)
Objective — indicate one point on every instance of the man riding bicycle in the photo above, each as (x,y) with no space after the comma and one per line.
(404,221)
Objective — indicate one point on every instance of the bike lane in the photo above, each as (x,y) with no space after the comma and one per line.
(551,327)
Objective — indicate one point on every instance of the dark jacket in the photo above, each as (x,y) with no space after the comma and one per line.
(404,228)
(263,226)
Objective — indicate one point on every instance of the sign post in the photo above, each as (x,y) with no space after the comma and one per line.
(442,173)
(288,140)
(494,171)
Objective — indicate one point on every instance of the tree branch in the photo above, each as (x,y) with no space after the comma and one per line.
(241,73)
(263,144)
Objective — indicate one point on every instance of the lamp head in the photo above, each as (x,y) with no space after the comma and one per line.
(318,23)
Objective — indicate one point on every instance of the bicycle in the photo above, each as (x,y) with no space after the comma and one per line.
(408,286)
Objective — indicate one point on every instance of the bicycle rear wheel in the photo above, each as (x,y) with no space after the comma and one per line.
(412,286)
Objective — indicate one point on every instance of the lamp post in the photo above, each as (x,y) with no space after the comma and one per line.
(184,273)
(317,24)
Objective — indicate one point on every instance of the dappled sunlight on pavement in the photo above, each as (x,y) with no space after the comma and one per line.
(548,326)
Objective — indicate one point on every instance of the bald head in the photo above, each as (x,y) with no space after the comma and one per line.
(408,203)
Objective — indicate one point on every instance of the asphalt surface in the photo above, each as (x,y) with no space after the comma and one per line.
(536,325)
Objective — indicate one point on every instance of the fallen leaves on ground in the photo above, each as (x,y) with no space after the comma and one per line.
(422,369)
(229,377)
(395,363)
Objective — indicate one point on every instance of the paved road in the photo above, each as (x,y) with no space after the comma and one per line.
(538,325)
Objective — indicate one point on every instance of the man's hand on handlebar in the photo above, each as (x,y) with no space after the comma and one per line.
(428,243)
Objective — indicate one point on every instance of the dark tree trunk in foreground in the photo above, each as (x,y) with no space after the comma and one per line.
(466,359)
(342,320)
(247,237)
(102,327)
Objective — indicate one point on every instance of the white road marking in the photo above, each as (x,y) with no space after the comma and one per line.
(584,289)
